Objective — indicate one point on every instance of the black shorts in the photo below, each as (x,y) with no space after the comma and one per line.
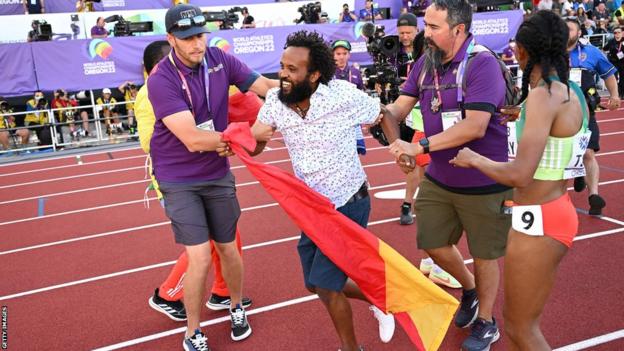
(202,211)
(594,140)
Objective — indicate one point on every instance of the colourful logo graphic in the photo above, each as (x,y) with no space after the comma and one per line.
(220,43)
(357,29)
(99,47)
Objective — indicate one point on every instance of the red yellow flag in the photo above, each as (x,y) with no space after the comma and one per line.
(386,278)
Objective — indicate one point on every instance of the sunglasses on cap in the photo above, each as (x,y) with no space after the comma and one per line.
(186,23)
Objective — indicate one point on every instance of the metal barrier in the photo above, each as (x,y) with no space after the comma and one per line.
(60,130)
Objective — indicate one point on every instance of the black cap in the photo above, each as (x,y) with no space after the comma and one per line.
(407,19)
(179,12)
(341,44)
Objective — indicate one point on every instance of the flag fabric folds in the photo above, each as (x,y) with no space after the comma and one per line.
(386,278)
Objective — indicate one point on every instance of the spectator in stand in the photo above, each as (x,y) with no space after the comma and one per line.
(7,120)
(545,5)
(177,2)
(98,31)
(346,15)
(106,103)
(602,27)
(248,20)
(84,6)
(38,118)
(615,53)
(130,91)
(581,14)
(618,15)
(367,13)
(34,6)
(601,12)
(567,8)
(508,55)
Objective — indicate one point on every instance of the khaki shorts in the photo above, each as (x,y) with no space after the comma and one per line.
(442,216)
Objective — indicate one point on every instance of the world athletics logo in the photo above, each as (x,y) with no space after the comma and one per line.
(220,43)
(357,30)
(101,48)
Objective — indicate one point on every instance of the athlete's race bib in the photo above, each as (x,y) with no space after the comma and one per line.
(450,118)
(575,75)
(528,220)
(208,125)
(512,140)
(575,167)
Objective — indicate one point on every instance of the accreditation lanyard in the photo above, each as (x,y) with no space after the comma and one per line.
(186,87)
(348,73)
(458,79)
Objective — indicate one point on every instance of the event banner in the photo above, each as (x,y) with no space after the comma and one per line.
(89,64)
(53,6)
(18,70)
(11,7)
(100,63)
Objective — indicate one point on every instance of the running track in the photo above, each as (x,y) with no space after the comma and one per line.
(80,255)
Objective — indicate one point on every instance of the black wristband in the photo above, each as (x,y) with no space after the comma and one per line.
(424,142)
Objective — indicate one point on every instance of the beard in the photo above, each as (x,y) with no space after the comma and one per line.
(434,56)
(298,92)
(572,41)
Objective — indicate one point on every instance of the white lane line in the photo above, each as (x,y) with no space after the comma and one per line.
(61,157)
(248,247)
(609,153)
(207,323)
(601,339)
(609,134)
(69,166)
(74,191)
(609,120)
(72,177)
(577,346)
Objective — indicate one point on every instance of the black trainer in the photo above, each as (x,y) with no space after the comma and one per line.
(240,327)
(483,335)
(172,309)
(220,303)
(579,184)
(406,214)
(596,204)
(197,342)
(468,309)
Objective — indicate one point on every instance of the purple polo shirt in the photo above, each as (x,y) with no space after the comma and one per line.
(97,30)
(508,51)
(171,159)
(351,75)
(485,91)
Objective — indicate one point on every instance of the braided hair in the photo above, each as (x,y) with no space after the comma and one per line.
(544,36)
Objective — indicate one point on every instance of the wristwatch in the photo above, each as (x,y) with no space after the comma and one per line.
(424,142)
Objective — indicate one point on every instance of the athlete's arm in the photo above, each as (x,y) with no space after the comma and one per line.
(540,115)
(262,133)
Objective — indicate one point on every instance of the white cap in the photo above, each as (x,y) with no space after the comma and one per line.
(106,91)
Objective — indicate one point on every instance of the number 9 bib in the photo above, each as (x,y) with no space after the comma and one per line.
(528,220)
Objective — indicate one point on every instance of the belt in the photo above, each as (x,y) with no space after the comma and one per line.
(360,194)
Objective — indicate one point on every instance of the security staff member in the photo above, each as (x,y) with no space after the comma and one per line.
(585,62)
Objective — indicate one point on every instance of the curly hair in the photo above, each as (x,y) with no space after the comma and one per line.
(544,36)
(320,57)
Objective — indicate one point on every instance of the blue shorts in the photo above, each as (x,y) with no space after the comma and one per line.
(318,270)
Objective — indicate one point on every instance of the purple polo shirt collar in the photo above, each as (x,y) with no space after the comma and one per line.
(184,68)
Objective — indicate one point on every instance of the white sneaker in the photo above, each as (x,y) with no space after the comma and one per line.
(386,324)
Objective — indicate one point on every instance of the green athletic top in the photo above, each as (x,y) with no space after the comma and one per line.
(558,151)
(417,118)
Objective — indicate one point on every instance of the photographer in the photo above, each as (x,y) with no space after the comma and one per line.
(38,118)
(34,7)
(346,15)
(310,13)
(130,91)
(62,101)
(106,104)
(7,121)
(248,20)
(98,31)
(367,13)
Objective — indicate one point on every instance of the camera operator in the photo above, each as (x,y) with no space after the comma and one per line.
(7,121)
(367,13)
(106,104)
(98,31)
(310,13)
(34,6)
(34,34)
(37,118)
(248,20)
(130,90)
(346,15)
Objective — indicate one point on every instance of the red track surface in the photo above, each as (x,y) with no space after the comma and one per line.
(94,227)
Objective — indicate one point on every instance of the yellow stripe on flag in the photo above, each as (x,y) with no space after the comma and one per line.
(429,307)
